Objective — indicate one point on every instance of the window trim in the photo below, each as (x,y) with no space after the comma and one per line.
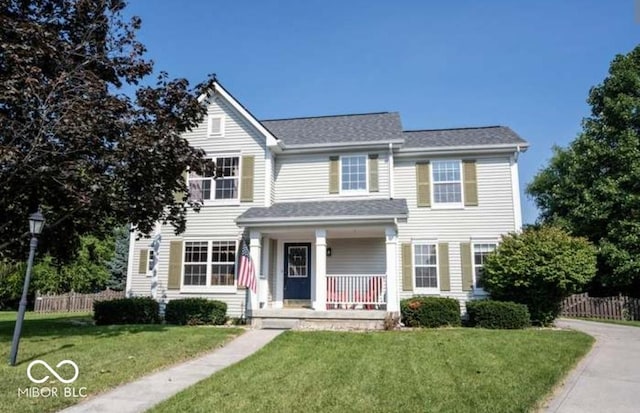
(479,290)
(227,201)
(425,290)
(207,288)
(366,176)
(210,118)
(446,205)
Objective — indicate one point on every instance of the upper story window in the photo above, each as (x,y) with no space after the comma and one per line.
(353,173)
(480,252)
(215,125)
(447,183)
(223,187)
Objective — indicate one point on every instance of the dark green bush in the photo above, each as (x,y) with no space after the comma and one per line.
(195,311)
(498,314)
(137,310)
(430,312)
(539,267)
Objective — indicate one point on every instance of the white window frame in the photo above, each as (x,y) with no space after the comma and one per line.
(446,205)
(224,201)
(208,287)
(474,267)
(150,254)
(210,131)
(425,290)
(366,175)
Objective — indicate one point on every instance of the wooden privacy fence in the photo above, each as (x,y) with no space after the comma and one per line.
(615,308)
(72,302)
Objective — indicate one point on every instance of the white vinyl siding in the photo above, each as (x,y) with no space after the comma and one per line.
(356,256)
(215,220)
(493,216)
(306,177)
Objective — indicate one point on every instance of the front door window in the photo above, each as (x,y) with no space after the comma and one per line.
(297,262)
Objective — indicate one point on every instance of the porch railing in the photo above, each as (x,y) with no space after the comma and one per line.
(356,291)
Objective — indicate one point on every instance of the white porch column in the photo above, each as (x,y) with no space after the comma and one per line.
(393,300)
(320,300)
(255,249)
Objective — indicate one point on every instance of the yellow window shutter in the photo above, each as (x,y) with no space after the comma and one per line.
(175,265)
(467,268)
(334,174)
(407,267)
(179,196)
(470,183)
(423,184)
(443,267)
(144,261)
(373,172)
(246,185)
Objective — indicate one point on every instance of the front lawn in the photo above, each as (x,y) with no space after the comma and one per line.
(445,370)
(106,355)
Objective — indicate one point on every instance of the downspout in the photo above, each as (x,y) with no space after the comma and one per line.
(515,188)
(391,166)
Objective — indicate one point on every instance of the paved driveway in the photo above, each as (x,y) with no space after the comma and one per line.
(608,378)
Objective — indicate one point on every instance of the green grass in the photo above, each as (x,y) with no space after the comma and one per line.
(106,355)
(632,323)
(444,370)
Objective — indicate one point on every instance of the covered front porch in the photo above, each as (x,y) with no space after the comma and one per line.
(334,268)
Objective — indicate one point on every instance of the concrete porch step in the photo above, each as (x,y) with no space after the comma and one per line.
(289,318)
(279,323)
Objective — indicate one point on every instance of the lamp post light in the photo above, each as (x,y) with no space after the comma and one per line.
(36,223)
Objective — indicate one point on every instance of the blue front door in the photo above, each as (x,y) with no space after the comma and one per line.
(297,270)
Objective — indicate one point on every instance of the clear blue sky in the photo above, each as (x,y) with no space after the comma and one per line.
(527,65)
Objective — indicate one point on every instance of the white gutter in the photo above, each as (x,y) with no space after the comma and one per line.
(269,224)
(350,218)
(515,189)
(451,150)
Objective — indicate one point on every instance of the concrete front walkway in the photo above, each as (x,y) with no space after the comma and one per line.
(608,378)
(148,391)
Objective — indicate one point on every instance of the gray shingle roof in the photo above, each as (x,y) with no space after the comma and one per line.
(487,135)
(326,209)
(368,127)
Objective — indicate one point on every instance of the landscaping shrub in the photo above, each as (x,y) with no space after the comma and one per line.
(539,267)
(497,314)
(430,312)
(195,311)
(137,310)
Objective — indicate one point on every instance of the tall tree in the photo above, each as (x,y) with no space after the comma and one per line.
(71,141)
(592,187)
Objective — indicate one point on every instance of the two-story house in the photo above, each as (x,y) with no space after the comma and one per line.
(344,215)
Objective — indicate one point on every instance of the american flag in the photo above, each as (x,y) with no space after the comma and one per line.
(246,271)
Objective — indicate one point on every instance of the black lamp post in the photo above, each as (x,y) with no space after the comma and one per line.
(36,223)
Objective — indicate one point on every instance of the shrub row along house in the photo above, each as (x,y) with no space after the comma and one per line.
(342,213)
